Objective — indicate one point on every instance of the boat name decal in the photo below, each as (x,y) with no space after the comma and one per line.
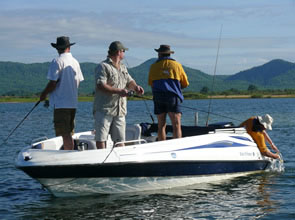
(247,154)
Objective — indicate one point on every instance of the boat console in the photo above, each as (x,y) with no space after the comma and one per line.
(147,129)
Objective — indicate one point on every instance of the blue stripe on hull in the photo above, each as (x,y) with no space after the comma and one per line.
(152,169)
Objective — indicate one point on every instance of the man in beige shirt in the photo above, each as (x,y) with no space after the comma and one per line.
(112,82)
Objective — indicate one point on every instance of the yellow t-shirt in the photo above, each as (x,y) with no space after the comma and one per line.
(257,136)
(168,69)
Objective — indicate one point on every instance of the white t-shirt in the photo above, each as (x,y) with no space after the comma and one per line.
(66,71)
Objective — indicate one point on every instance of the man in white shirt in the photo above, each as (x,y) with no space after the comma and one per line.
(64,76)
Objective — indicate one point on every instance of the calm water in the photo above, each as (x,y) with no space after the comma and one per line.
(261,196)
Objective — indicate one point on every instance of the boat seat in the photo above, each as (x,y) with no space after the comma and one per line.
(49,144)
(86,144)
(133,132)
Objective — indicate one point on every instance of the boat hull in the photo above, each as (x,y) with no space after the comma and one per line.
(141,167)
(73,187)
(148,169)
(89,179)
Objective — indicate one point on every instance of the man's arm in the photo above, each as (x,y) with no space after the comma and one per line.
(133,86)
(268,139)
(51,85)
(111,90)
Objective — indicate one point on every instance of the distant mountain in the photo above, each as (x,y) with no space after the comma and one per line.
(197,78)
(278,74)
(140,73)
(22,79)
(27,79)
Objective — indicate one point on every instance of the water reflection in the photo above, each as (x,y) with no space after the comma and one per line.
(237,198)
(265,201)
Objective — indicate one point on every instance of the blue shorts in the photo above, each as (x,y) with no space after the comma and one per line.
(166,102)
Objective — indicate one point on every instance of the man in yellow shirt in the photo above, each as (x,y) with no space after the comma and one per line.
(167,78)
(256,128)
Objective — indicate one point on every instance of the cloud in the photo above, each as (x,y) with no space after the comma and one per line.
(251,31)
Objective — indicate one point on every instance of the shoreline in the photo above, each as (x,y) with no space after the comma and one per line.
(149,97)
(250,96)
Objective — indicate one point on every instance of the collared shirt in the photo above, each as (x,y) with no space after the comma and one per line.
(65,69)
(107,73)
(167,75)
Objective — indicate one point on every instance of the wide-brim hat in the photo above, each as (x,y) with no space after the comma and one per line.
(266,121)
(164,49)
(117,46)
(62,43)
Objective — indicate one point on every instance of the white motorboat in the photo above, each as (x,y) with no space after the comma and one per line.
(204,154)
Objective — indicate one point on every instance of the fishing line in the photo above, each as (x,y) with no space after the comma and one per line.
(109,153)
(37,103)
(149,111)
(213,82)
(132,94)
(195,109)
(192,108)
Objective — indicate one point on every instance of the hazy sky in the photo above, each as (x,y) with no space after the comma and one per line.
(253,31)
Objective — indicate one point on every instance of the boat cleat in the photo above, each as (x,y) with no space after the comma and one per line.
(27,156)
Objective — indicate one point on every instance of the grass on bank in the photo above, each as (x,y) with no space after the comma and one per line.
(148,96)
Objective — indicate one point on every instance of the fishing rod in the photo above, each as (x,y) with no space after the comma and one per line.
(192,108)
(210,101)
(131,93)
(146,105)
(37,103)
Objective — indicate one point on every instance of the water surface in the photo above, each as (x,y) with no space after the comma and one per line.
(268,195)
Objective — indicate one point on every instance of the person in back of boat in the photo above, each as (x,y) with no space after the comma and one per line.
(112,82)
(167,78)
(256,128)
(64,76)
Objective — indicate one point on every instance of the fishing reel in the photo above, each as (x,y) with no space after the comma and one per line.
(130,93)
(46,103)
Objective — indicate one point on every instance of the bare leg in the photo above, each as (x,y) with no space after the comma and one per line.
(68,142)
(176,123)
(161,126)
(100,144)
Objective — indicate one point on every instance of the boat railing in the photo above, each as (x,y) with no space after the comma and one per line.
(130,142)
(36,140)
(238,130)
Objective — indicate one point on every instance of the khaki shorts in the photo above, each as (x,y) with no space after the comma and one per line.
(106,124)
(64,121)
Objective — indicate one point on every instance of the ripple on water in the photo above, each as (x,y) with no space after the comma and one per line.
(264,195)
